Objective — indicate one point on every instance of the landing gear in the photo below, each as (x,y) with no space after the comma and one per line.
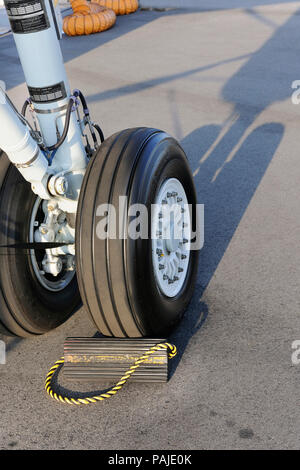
(135,271)
(136,286)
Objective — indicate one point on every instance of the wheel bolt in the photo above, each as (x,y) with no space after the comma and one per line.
(165,277)
(184,240)
(179,199)
(183,256)
(161,266)
(180,270)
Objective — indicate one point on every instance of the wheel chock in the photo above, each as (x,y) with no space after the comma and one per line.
(143,360)
(108,359)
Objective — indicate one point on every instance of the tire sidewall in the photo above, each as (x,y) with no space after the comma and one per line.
(159,312)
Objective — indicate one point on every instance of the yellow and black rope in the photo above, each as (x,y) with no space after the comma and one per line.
(172,351)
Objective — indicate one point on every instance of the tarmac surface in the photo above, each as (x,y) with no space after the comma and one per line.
(218,76)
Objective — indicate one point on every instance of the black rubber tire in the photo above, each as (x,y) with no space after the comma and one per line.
(26,307)
(115,276)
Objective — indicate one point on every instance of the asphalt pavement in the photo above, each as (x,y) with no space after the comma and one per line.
(218,76)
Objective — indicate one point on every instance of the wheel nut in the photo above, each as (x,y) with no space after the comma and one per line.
(161,266)
(61,185)
(58,185)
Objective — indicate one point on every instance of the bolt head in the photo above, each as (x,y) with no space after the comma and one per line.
(61,185)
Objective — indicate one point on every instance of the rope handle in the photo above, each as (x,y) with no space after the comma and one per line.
(172,351)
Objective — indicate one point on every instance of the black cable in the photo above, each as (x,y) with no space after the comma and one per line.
(24,107)
(99,130)
(66,127)
(83,101)
(79,94)
(36,245)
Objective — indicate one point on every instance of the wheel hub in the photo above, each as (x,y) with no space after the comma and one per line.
(54,268)
(171,233)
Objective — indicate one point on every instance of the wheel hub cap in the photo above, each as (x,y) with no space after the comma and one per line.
(171,234)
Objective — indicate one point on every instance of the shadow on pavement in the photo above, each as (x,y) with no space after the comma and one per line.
(232,159)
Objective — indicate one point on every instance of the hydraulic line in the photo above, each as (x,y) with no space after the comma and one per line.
(99,130)
(71,104)
(78,93)
(66,126)
(24,107)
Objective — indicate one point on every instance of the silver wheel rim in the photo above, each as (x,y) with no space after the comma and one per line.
(171,236)
(44,278)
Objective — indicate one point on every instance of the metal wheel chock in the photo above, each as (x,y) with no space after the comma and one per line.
(90,359)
